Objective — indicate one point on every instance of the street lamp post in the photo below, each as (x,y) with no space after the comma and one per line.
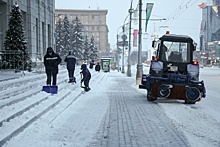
(117,43)
(139,65)
(129,41)
(118,51)
(123,45)
(124,38)
(123,53)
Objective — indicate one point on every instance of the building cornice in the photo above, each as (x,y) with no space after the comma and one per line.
(81,10)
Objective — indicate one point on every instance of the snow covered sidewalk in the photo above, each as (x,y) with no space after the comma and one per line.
(132,121)
(113,114)
(72,122)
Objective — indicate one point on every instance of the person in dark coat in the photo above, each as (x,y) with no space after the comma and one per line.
(91,64)
(86,76)
(97,67)
(71,61)
(51,62)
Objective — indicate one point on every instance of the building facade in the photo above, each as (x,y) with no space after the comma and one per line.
(210,32)
(38,17)
(94,24)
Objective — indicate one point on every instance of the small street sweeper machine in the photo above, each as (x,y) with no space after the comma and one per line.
(173,73)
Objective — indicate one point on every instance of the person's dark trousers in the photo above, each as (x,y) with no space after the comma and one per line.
(54,79)
(86,82)
(49,79)
(71,73)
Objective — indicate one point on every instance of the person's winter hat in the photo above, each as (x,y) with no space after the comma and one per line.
(83,66)
(50,50)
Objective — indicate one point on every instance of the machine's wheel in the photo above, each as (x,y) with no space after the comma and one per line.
(150,97)
(189,102)
(192,95)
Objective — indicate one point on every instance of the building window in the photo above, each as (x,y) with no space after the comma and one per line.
(93,16)
(43,35)
(49,35)
(97,33)
(1,38)
(97,28)
(48,2)
(93,28)
(37,37)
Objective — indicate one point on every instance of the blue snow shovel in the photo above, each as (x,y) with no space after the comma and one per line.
(50,89)
(46,89)
(53,89)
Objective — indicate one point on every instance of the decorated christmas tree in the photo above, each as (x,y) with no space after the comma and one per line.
(15,43)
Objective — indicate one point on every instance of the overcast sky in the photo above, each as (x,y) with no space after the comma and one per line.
(185,15)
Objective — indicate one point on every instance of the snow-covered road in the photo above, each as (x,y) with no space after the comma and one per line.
(200,122)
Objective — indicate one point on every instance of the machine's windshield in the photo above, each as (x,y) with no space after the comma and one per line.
(175,51)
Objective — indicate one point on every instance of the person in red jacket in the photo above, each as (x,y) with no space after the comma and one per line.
(51,62)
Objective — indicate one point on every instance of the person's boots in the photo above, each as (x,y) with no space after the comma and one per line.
(87,89)
(70,81)
(74,80)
